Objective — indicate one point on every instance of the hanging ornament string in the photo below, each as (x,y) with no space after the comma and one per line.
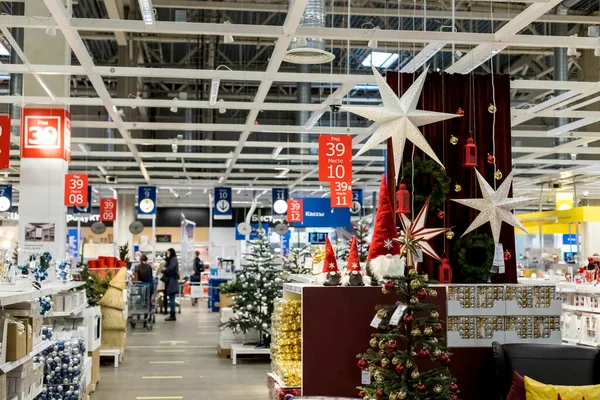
(444,148)
(493,101)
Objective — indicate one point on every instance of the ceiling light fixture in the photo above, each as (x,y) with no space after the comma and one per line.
(174,109)
(222,110)
(227,38)
(239,191)
(276,152)
(147,11)
(572,51)
(586,193)
(379,59)
(302,42)
(51,31)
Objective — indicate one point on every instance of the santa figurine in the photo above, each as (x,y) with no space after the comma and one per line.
(384,253)
(353,275)
(330,275)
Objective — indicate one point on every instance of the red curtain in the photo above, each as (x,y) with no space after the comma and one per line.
(474,94)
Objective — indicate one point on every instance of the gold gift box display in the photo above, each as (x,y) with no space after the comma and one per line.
(286,343)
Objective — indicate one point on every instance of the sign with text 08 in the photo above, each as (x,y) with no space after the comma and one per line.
(295,212)
(46,133)
(108,209)
(76,190)
(335,158)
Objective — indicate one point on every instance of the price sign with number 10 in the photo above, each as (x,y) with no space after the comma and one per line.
(335,158)
(108,209)
(76,190)
(295,212)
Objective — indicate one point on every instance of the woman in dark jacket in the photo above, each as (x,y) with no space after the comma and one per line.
(172,282)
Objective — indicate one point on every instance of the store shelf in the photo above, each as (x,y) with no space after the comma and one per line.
(579,342)
(22,292)
(301,278)
(280,382)
(297,287)
(9,366)
(35,393)
(71,313)
(569,307)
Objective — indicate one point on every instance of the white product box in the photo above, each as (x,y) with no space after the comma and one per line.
(58,303)
(68,302)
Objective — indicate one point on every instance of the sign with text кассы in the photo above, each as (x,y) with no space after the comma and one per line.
(4,141)
(76,190)
(146,202)
(222,207)
(295,210)
(46,133)
(318,214)
(108,209)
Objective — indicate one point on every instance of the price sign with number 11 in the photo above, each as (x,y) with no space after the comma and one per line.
(341,194)
(76,190)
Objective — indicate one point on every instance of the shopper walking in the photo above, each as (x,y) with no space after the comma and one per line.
(143,274)
(171,279)
(196,277)
(160,289)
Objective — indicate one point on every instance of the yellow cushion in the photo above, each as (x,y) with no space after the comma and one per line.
(535,390)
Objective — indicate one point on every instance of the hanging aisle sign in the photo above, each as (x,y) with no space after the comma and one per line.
(108,209)
(5,198)
(4,141)
(222,208)
(357,202)
(85,209)
(340,194)
(279,198)
(335,167)
(295,210)
(76,190)
(45,133)
(146,202)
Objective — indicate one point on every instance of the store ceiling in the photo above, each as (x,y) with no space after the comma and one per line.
(125,75)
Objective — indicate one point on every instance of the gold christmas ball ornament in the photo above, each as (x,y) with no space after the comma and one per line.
(498,175)
(437,388)
(396,360)
(457,187)
(437,353)
(415,374)
(381,314)
(433,340)
(409,364)
(401,395)
(432,293)
(382,345)
(435,315)
(374,342)
(372,368)
(393,396)
(425,277)
(428,331)
(379,377)
(449,235)
(415,284)
(385,362)
(415,332)
(412,271)
(453,140)
(414,300)
(492,109)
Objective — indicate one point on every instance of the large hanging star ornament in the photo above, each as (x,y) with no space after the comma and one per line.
(414,235)
(495,206)
(399,119)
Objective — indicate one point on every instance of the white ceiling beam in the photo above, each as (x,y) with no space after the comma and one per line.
(334,98)
(565,150)
(532,84)
(72,37)
(422,57)
(562,148)
(114,12)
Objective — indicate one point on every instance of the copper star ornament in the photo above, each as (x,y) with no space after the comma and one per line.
(495,206)
(414,235)
(399,119)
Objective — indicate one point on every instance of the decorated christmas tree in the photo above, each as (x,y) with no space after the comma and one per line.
(362,231)
(342,251)
(294,264)
(261,283)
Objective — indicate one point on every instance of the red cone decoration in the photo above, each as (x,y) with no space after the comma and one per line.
(384,231)
(330,262)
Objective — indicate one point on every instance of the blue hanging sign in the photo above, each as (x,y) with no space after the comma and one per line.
(285,244)
(87,209)
(254,234)
(357,202)
(146,202)
(570,239)
(279,197)
(73,242)
(319,214)
(317,237)
(5,198)
(222,208)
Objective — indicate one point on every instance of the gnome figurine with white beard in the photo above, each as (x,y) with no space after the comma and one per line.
(330,276)
(353,275)
(384,253)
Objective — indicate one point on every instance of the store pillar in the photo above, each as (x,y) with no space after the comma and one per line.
(42,222)
(125,216)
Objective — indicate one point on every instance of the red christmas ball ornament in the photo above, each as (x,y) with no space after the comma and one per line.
(422,293)
(361,395)
(355,227)
(392,345)
(441,214)
(460,112)
(363,241)
(363,364)
(421,387)
(389,286)
(445,359)
(281,395)
(366,229)
(507,255)
(295,392)
(407,319)
(379,393)
(491,159)
(400,368)
(453,387)
(437,328)
(424,353)
(381,352)
(454,397)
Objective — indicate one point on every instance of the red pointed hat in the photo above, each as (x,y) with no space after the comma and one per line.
(329,262)
(353,259)
(384,231)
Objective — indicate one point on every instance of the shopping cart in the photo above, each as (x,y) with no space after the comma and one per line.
(141,305)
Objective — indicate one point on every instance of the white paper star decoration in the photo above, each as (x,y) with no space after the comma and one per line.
(495,206)
(399,119)
(414,235)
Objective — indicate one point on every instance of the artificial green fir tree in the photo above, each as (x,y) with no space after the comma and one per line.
(407,345)
(294,264)
(362,231)
(342,249)
(261,283)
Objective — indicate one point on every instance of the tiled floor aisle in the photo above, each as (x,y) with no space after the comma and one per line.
(179,361)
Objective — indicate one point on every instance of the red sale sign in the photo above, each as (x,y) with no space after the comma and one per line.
(295,211)
(45,133)
(335,158)
(341,194)
(76,190)
(4,141)
(108,209)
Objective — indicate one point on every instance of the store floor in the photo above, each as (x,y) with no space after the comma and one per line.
(179,361)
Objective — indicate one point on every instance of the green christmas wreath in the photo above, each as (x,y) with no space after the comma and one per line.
(473,258)
(436,187)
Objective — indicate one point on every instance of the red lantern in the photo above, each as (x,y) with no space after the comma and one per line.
(470,154)
(403,196)
(445,272)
